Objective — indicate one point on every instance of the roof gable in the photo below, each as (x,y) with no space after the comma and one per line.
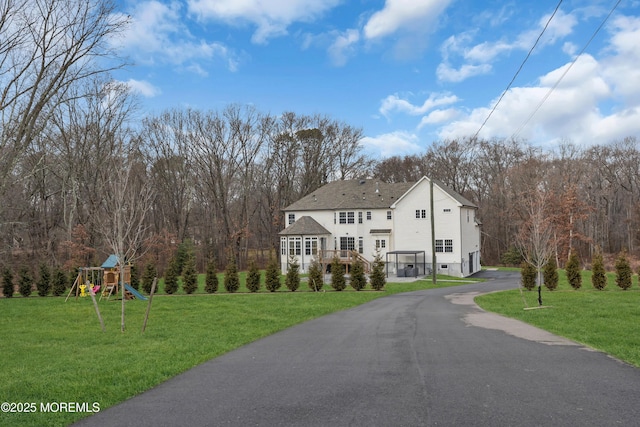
(462,201)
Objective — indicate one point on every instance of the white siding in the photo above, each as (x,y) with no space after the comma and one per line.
(452,222)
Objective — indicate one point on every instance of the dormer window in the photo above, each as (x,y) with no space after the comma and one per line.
(292,218)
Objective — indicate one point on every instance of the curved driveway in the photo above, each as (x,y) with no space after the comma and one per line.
(404,360)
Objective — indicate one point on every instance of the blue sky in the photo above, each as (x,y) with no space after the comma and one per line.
(408,72)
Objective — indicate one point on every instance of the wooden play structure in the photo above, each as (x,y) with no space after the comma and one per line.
(106,279)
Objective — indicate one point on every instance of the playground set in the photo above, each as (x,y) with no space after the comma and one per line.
(104,279)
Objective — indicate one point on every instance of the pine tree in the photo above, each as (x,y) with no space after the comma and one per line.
(59,282)
(598,274)
(211,281)
(135,277)
(338,281)
(528,276)
(272,276)
(377,276)
(231,279)
(292,279)
(253,277)
(316,277)
(171,278)
(189,276)
(550,274)
(25,282)
(184,252)
(358,280)
(149,275)
(7,283)
(574,277)
(624,273)
(43,285)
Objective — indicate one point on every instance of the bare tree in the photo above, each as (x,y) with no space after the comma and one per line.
(126,200)
(47,46)
(535,238)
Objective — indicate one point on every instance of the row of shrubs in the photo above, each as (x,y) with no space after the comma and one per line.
(57,282)
(623,270)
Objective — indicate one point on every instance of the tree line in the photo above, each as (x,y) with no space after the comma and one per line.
(82,175)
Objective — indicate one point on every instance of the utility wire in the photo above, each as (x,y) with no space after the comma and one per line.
(519,69)
(550,91)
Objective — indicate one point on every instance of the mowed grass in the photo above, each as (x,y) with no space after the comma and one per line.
(52,351)
(605,320)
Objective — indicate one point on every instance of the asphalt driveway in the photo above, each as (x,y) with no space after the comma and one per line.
(427,358)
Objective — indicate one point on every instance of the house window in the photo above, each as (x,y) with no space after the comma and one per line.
(381,243)
(351,218)
(360,217)
(292,218)
(283,246)
(334,217)
(467,216)
(343,217)
(311,246)
(421,213)
(368,215)
(448,245)
(295,246)
(388,214)
(445,245)
(360,245)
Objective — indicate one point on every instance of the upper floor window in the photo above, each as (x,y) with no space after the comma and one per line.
(292,218)
(360,217)
(368,215)
(351,219)
(421,213)
(343,217)
(388,214)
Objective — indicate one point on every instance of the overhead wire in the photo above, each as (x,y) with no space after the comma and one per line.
(553,88)
(519,69)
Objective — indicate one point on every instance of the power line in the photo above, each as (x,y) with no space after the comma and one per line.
(519,69)
(550,91)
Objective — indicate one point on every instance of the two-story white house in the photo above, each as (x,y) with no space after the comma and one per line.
(359,218)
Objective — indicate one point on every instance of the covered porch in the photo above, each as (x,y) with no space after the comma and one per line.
(407,263)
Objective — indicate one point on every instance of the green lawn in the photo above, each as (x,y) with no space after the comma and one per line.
(605,320)
(54,351)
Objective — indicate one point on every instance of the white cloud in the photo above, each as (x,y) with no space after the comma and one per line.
(143,88)
(404,15)
(394,103)
(393,144)
(446,73)
(343,46)
(157,35)
(439,116)
(477,58)
(271,17)
(572,110)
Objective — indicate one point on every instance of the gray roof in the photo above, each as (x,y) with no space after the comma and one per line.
(457,196)
(305,226)
(362,194)
(352,194)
